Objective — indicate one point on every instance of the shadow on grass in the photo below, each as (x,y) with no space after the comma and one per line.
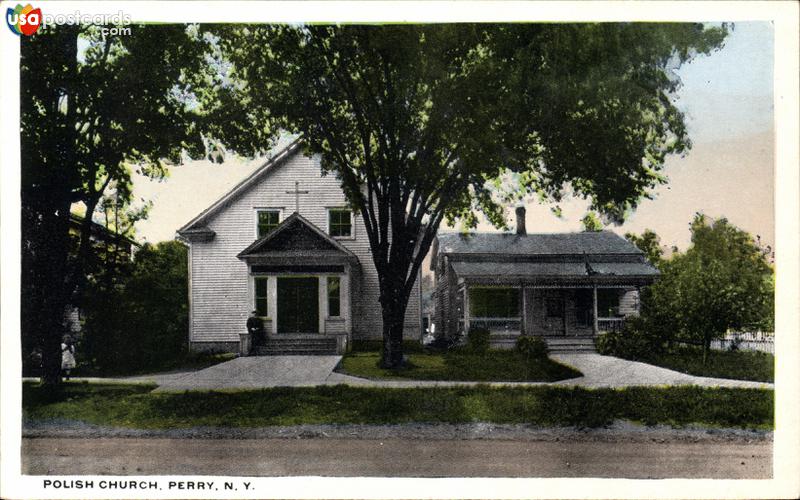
(738,365)
(491,366)
(134,407)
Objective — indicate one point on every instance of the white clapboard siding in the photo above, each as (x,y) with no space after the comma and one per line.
(629,302)
(219,284)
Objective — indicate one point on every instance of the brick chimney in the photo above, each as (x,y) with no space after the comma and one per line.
(521,221)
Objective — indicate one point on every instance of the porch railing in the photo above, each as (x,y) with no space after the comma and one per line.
(610,324)
(496,324)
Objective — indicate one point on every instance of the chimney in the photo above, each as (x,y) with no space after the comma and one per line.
(521,221)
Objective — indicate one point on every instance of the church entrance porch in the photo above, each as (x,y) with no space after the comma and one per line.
(298,305)
(300,285)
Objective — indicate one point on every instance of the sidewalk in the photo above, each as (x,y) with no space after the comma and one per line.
(308,371)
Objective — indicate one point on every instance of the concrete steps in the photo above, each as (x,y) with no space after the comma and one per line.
(571,344)
(297,345)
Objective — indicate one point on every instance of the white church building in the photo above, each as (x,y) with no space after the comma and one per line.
(284,242)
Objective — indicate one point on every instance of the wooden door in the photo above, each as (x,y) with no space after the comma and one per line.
(298,305)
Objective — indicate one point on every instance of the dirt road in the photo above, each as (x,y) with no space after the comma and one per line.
(394,457)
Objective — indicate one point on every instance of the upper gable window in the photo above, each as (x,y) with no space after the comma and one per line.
(340,222)
(267,221)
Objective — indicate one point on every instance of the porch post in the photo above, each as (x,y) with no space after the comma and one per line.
(322,305)
(466,308)
(594,309)
(523,324)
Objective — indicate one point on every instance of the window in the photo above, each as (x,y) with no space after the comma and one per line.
(340,222)
(261,297)
(494,302)
(267,221)
(607,303)
(334,301)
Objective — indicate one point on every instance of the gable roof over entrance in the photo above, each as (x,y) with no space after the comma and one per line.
(296,240)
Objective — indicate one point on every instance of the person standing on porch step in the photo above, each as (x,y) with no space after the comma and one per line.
(255,326)
(67,357)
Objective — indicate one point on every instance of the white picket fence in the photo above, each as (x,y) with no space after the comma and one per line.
(747,341)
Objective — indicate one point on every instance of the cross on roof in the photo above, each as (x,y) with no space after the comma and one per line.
(297,194)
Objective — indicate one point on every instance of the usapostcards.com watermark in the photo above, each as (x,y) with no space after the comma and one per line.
(27,21)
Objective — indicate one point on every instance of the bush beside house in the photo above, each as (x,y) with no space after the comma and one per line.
(724,281)
(140,322)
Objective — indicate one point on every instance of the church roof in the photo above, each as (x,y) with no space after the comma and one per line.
(297,238)
(276,160)
(590,242)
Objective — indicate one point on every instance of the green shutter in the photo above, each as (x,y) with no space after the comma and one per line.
(334,300)
(262,302)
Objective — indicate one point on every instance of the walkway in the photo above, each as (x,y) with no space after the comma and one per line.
(307,371)
(251,373)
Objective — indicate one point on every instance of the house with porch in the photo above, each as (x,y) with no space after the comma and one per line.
(564,287)
(285,243)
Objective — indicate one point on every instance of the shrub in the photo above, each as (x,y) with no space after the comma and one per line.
(531,347)
(140,322)
(478,339)
(634,342)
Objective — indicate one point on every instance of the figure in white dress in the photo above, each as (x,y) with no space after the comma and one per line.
(67,357)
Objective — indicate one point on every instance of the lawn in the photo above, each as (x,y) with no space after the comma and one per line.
(133,406)
(740,365)
(494,365)
(186,362)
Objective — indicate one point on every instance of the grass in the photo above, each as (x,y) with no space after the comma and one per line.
(460,365)
(740,365)
(188,361)
(133,406)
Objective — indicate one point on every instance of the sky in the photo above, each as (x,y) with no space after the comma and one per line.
(727,99)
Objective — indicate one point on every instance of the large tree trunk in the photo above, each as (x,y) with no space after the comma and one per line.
(394,302)
(51,296)
(47,195)
(394,312)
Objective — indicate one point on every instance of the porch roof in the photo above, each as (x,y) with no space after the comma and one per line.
(556,271)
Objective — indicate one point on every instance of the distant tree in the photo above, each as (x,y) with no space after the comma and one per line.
(649,243)
(415,120)
(92,106)
(722,282)
(591,222)
(140,322)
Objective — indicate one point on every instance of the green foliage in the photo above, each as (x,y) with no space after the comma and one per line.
(141,323)
(94,109)
(637,341)
(420,119)
(722,282)
(591,222)
(531,347)
(478,339)
(133,406)
(650,244)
